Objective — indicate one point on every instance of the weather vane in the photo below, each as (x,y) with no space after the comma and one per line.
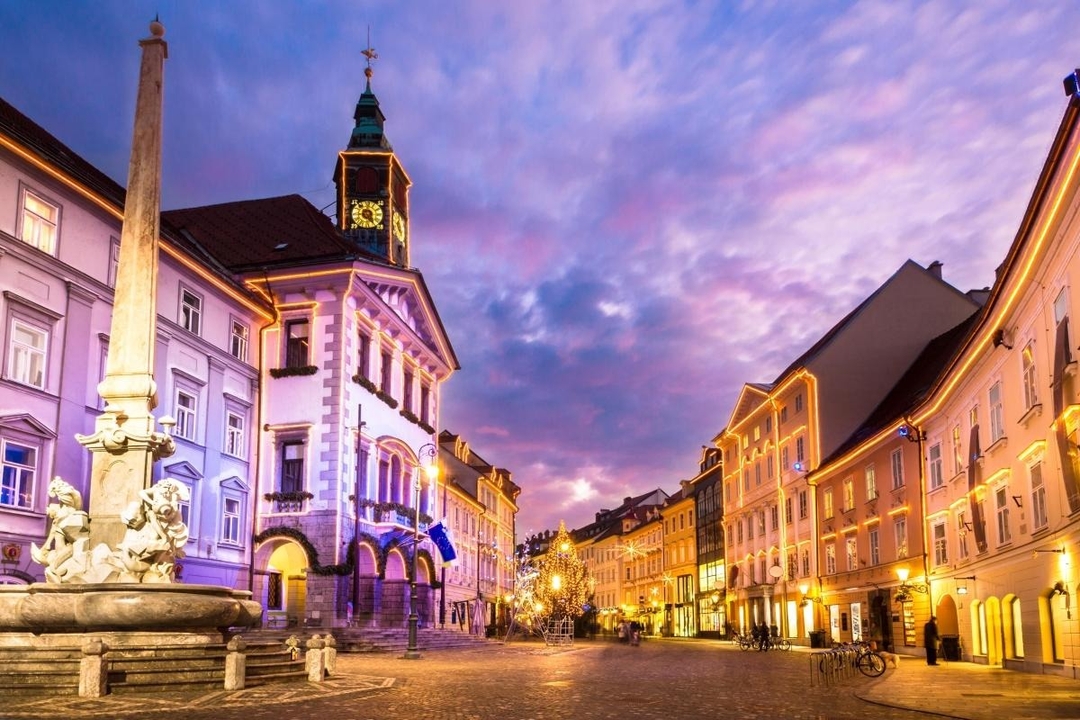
(369,53)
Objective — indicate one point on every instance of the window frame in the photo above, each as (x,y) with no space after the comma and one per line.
(296,350)
(20,366)
(939,537)
(234,444)
(190,314)
(1029,376)
(25,475)
(25,193)
(870,480)
(997,412)
(239,343)
(936,465)
(896,466)
(187,418)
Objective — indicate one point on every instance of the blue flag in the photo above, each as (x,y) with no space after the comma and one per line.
(441,537)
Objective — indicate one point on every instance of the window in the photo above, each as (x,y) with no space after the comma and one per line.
(1061,305)
(768,424)
(757,473)
(958,452)
(296,343)
(114,261)
(385,377)
(1031,389)
(827,503)
(785,460)
(852,554)
(783,414)
(800,449)
(798,403)
(830,559)
(238,341)
(900,533)
(17,483)
(897,461)
(39,221)
(1038,497)
(746,480)
(185,412)
(26,354)
(770,466)
(775,513)
(363,354)
(806,563)
(871,483)
(234,434)
(757,433)
(406,390)
(787,510)
(750,527)
(803,508)
(941,545)
(1001,501)
(997,413)
(937,476)
(961,534)
(190,311)
(292,466)
(849,494)
(230,525)
(425,395)
(739,531)
(875,545)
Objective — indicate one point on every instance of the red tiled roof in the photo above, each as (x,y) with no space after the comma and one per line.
(285,230)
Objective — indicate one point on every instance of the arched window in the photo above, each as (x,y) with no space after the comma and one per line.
(1014,631)
(396,480)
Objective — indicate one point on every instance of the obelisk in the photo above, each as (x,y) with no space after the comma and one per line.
(125,444)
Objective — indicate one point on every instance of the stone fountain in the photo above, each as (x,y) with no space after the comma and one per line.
(110,569)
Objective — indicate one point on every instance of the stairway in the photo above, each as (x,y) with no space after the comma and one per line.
(373,639)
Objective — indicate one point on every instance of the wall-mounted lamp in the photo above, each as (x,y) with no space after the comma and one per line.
(1059,551)
(961,584)
(904,591)
(999,339)
(911,433)
(803,589)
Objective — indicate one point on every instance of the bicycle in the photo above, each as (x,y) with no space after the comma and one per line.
(869,661)
(781,644)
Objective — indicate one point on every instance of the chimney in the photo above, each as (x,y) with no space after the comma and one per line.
(935,269)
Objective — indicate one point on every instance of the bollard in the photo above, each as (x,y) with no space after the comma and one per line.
(314,660)
(329,654)
(236,664)
(93,671)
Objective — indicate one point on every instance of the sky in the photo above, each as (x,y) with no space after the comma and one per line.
(624,209)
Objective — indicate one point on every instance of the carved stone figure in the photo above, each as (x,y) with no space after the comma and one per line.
(155,534)
(147,553)
(68,532)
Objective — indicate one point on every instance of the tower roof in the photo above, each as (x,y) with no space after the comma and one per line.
(368,132)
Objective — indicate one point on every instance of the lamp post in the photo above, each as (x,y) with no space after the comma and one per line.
(431,471)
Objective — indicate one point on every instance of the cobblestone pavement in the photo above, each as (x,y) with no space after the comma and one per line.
(592,680)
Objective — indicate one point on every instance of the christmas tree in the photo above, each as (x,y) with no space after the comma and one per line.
(561,587)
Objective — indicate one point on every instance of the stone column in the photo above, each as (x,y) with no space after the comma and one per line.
(313,660)
(329,654)
(125,443)
(236,664)
(93,669)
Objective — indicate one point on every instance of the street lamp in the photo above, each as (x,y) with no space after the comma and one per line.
(903,592)
(428,459)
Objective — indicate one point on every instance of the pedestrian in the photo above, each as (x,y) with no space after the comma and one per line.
(622,631)
(635,633)
(930,640)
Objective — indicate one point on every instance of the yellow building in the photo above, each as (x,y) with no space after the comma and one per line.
(679,570)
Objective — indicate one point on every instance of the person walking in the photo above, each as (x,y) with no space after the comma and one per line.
(930,640)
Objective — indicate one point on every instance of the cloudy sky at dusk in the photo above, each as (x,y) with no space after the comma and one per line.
(625,209)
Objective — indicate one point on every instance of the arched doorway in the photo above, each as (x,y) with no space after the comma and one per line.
(281,585)
(394,608)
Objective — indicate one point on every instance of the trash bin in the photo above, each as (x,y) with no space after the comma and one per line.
(950,647)
(817,638)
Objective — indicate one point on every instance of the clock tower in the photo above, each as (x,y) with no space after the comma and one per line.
(372,187)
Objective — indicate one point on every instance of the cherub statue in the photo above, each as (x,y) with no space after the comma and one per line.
(156,533)
(69,526)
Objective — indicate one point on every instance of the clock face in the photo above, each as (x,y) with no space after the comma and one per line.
(399,226)
(366,214)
